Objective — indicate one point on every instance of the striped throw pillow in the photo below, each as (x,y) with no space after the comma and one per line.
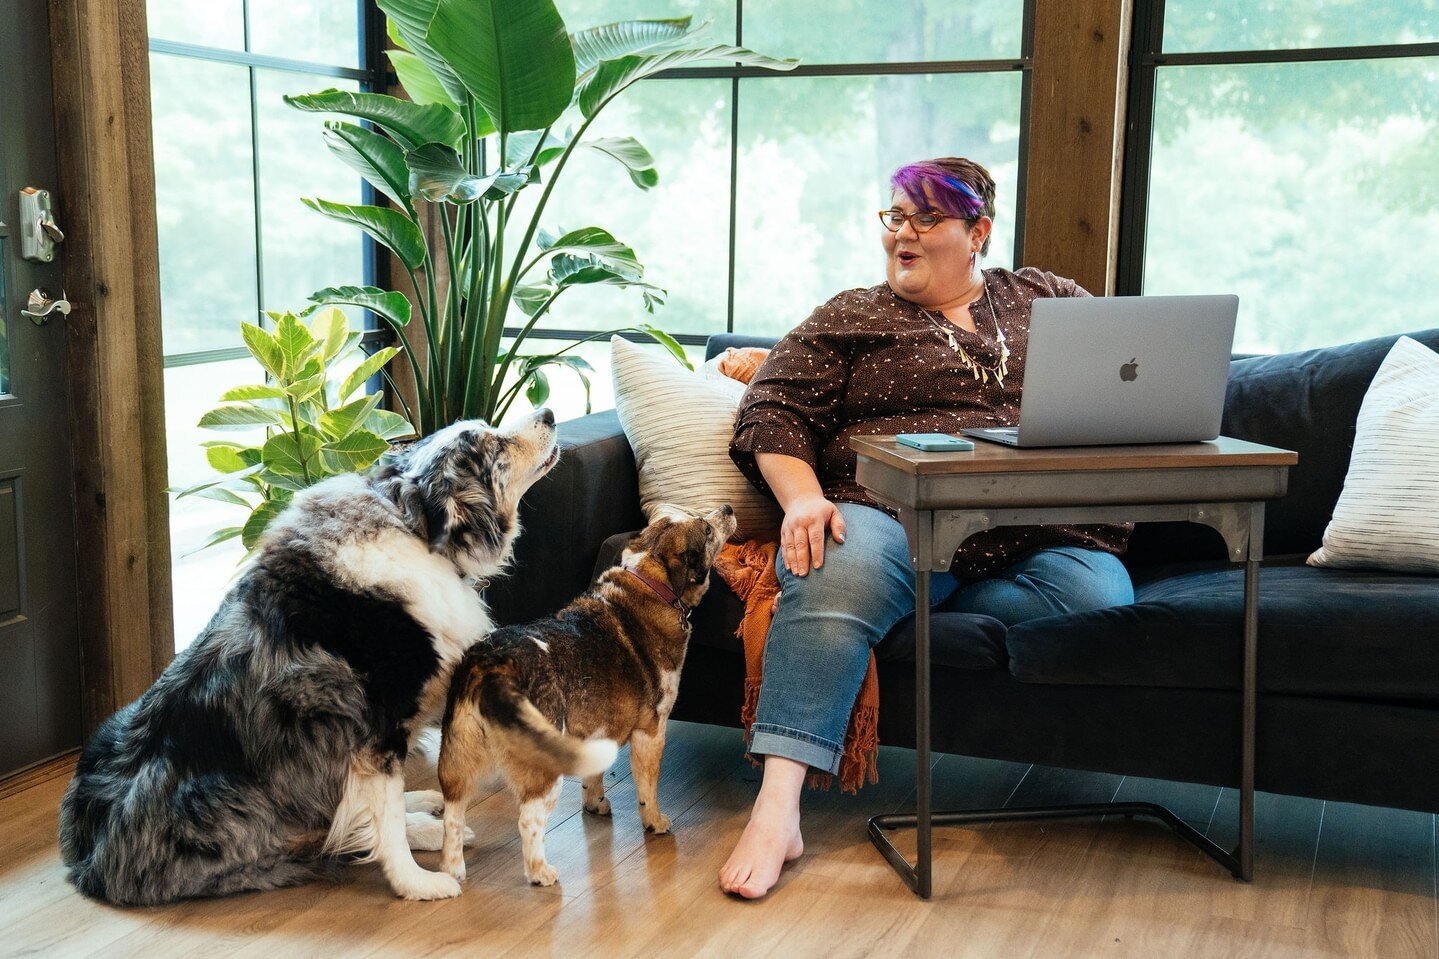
(1387,516)
(679,424)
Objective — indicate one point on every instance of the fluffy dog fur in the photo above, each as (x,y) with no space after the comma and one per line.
(554,697)
(275,741)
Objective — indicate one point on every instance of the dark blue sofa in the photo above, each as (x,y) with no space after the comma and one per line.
(1348,660)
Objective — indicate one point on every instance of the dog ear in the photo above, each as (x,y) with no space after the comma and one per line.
(435,503)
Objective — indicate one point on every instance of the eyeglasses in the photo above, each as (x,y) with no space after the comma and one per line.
(922,221)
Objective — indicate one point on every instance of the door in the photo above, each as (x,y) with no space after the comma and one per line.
(39,640)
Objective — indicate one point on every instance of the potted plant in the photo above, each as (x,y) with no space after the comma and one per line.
(317,422)
(488,82)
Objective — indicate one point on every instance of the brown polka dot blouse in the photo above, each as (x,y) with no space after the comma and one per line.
(869,362)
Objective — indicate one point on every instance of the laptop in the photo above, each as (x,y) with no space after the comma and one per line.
(1122,370)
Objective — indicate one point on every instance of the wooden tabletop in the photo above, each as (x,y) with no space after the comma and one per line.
(989,457)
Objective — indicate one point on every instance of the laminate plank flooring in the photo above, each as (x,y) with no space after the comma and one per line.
(1331,879)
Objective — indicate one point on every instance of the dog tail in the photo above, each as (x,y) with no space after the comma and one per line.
(509,713)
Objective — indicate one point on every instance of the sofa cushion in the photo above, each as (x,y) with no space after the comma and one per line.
(680,424)
(1322,632)
(1388,515)
(1307,402)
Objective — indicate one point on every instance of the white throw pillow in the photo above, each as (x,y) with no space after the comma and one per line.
(1387,516)
(679,424)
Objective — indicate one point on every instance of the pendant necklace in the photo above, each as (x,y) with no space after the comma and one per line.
(979,370)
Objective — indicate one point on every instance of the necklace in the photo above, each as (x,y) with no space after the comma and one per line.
(980,371)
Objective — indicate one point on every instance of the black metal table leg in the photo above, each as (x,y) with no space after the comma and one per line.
(1239,862)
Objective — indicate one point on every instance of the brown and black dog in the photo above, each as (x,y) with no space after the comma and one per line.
(558,696)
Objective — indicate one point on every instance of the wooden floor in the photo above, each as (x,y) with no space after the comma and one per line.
(1331,880)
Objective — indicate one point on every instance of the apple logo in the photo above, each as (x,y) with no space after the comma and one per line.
(1129,371)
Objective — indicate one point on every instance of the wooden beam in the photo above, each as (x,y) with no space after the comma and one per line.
(111,264)
(1076,139)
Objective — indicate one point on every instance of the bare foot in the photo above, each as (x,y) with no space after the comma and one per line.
(771,839)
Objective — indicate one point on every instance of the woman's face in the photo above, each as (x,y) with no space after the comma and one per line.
(931,268)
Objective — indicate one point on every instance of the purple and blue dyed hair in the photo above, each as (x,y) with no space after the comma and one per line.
(943,183)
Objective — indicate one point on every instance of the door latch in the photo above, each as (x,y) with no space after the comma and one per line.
(38,231)
(39,306)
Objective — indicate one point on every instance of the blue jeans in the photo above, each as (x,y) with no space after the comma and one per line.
(828,621)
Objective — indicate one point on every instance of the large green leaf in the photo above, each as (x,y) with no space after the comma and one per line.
(632,155)
(219,536)
(372,155)
(613,76)
(391,306)
(410,21)
(263,348)
(221,495)
(254,391)
(390,227)
(332,328)
(225,459)
(539,389)
(297,345)
(228,478)
(521,146)
(409,123)
(569,270)
(292,454)
(530,298)
(371,365)
(355,452)
(419,80)
(667,341)
(260,520)
(512,55)
(615,40)
(597,243)
(240,417)
(436,173)
(389,426)
(340,423)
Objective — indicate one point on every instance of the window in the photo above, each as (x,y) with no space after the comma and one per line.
(231,163)
(769,182)
(1290,160)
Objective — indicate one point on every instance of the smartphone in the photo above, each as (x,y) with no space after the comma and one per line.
(935,442)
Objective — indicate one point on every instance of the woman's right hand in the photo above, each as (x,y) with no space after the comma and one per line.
(802,534)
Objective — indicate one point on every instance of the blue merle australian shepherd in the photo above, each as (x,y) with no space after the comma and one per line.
(274,743)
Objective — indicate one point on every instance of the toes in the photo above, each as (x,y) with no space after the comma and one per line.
(543,876)
(423,886)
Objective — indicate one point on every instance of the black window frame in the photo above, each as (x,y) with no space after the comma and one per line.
(372,77)
(1024,63)
(1146,58)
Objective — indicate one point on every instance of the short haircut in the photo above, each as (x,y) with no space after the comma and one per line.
(952,185)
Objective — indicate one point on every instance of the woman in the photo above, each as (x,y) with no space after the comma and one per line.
(939,347)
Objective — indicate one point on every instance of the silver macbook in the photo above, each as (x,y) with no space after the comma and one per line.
(1126,369)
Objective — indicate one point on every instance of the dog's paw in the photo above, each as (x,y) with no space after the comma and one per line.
(423,885)
(601,808)
(425,800)
(545,875)
(427,834)
(455,868)
(657,823)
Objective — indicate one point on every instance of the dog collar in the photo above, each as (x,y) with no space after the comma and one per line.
(663,591)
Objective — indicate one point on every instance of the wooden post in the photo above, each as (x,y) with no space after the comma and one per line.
(100,64)
(1076,139)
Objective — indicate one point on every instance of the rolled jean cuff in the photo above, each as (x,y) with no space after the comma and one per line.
(770,740)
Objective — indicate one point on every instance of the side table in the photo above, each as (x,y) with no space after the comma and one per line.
(944,498)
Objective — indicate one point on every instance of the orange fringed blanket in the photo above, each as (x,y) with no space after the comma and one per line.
(748,568)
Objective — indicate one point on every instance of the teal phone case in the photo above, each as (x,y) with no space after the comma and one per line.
(934,442)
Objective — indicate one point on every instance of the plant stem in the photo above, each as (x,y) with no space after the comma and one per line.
(299,446)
